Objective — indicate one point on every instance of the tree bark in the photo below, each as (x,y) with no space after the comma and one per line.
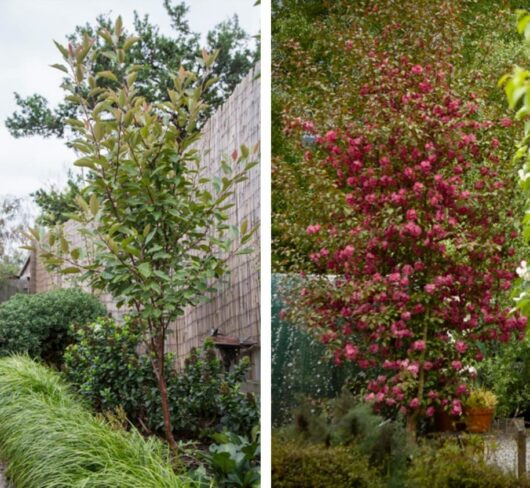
(159,367)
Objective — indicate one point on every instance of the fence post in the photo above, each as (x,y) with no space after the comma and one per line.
(521,449)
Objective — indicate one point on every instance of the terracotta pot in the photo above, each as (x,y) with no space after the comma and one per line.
(478,420)
(444,422)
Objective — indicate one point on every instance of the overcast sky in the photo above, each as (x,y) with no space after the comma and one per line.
(27,28)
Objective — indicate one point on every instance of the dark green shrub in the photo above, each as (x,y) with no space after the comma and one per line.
(453,466)
(508,374)
(297,465)
(106,368)
(39,324)
(47,438)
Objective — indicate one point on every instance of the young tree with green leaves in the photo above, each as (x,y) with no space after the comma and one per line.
(157,222)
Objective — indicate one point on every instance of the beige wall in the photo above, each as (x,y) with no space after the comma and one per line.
(234,310)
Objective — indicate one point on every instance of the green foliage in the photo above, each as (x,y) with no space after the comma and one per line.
(481,398)
(55,204)
(157,56)
(49,439)
(105,367)
(234,460)
(508,375)
(451,465)
(318,466)
(206,397)
(346,422)
(39,324)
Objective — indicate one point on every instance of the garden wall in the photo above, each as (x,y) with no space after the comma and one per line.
(234,310)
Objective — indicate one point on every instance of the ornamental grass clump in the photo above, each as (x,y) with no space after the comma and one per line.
(49,439)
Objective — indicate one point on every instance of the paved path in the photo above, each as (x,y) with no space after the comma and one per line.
(3,482)
(503,452)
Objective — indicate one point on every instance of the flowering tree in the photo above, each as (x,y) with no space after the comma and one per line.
(156,220)
(420,251)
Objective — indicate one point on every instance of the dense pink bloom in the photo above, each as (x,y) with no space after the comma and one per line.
(403,250)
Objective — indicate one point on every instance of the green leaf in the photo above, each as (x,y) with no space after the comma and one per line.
(109,75)
(145,270)
(61,48)
(94,204)
(60,67)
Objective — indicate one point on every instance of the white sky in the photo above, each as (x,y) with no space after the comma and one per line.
(27,28)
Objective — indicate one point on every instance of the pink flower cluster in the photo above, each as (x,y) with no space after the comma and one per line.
(414,293)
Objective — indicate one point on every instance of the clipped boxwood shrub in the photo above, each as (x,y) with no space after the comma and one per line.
(47,438)
(39,324)
(317,466)
(106,368)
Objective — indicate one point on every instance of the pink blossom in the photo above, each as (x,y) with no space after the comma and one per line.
(414,403)
(456,408)
(461,390)
(418,345)
(313,229)
(461,346)
(414,369)
(456,365)
(433,395)
(412,229)
(430,288)
(430,411)
(506,122)
(427,365)
(331,136)
(417,69)
(348,45)
(412,214)
(394,277)
(351,351)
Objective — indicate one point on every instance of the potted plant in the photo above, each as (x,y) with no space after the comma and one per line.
(479,409)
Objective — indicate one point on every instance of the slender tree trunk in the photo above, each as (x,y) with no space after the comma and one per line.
(412,419)
(159,367)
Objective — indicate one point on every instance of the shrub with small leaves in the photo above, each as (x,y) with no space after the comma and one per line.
(318,466)
(39,324)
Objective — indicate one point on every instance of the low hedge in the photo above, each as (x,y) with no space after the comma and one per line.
(39,324)
(316,466)
(48,439)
